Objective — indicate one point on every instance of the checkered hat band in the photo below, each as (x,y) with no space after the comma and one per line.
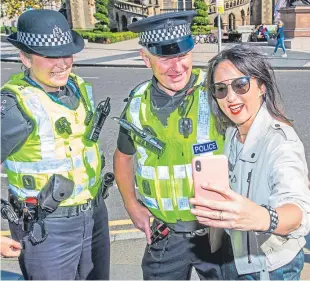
(44,40)
(159,35)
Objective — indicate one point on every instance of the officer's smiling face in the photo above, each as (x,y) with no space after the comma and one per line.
(49,73)
(173,73)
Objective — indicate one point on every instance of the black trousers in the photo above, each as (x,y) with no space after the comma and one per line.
(173,258)
(77,248)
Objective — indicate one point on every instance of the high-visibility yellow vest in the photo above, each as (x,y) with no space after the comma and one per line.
(165,182)
(47,151)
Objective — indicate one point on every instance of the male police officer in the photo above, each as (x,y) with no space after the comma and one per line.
(45,115)
(163,121)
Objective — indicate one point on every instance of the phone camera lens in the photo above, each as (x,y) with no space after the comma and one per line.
(198,166)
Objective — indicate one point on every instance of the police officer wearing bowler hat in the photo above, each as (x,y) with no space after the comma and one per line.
(45,113)
(164,119)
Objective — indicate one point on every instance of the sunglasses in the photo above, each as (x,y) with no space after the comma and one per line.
(239,85)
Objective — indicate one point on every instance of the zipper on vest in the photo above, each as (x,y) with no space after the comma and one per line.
(76,117)
(248,233)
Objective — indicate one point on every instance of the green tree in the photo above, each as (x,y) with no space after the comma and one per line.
(102,15)
(200,21)
(16,7)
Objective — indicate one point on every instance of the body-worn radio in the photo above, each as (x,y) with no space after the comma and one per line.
(143,137)
(94,128)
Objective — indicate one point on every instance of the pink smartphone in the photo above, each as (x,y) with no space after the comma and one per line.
(211,169)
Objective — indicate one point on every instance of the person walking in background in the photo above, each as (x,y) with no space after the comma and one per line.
(47,153)
(280,39)
(267,211)
(265,32)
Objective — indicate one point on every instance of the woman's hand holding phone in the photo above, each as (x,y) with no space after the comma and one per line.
(235,212)
(215,203)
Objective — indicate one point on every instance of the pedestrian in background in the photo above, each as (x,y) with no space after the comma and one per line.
(173,107)
(265,32)
(280,39)
(45,112)
(267,211)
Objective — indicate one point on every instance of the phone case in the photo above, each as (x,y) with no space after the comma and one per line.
(211,169)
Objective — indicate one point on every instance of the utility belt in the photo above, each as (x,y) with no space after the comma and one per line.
(34,210)
(161,229)
(61,211)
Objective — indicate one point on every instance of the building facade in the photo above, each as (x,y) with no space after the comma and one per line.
(262,11)
(237,12)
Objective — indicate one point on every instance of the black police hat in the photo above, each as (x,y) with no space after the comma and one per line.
(46,33)
(166,34)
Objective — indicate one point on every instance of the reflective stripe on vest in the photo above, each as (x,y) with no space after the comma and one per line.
(203,127)
(179,172)
(89,90)
(48,166)
(22,192)
(45,130)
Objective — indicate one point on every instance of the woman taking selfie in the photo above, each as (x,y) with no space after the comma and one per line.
(266,211)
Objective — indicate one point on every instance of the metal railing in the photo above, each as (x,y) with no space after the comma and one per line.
(163,11)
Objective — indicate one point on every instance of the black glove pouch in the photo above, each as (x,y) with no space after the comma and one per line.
(57,189)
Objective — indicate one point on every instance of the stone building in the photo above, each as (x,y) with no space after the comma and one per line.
(237,12)
(80,13)
(262,11)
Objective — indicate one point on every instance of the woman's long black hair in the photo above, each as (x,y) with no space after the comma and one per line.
(251,62)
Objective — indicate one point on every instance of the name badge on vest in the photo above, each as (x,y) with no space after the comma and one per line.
(205,147)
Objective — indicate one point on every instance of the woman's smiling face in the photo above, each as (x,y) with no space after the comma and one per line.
(49,73)
(240,109)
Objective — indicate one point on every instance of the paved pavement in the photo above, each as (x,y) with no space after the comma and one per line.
(126,54)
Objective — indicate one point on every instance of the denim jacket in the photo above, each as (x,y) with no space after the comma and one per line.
(271,170)
(280,33)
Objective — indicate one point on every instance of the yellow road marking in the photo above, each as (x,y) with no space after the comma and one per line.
(120,222)
(111,223)
(113,232)
(5,233)
(123,222)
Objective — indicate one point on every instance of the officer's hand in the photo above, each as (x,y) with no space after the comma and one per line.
(10,248)
(140,216)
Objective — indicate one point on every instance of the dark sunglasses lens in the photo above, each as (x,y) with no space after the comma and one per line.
(220,90)
(241,85)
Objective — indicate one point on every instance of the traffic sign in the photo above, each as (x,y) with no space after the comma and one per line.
(219,7)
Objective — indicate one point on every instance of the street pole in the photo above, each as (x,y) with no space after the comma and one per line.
(219,11)
(219,36)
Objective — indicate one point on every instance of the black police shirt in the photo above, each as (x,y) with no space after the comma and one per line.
(16,126)
(162,106)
